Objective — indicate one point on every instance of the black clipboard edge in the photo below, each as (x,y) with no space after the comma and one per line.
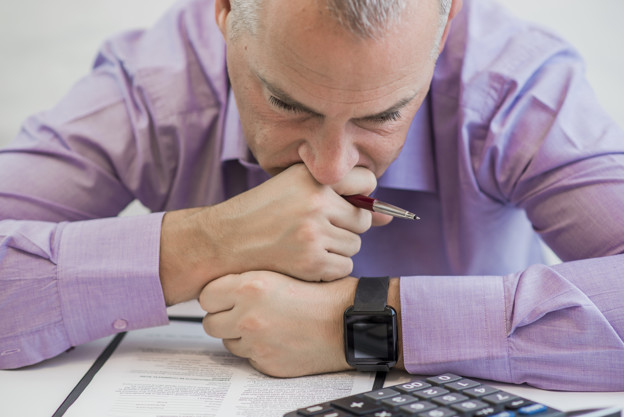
(88,376)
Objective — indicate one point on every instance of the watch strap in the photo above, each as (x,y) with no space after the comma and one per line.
(371,294)
(373,368)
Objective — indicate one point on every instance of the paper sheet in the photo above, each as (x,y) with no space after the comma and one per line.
(178,370)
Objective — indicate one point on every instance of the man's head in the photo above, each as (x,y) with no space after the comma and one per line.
(331,83)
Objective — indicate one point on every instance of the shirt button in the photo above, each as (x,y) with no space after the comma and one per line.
(120,324)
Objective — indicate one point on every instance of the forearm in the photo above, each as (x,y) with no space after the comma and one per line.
(538,326)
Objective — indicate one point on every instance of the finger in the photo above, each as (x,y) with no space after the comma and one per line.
(220,326)
(217,295)
(380,219)
(343,242)
(346,216)
(236,347)
(357,181)
(336,267)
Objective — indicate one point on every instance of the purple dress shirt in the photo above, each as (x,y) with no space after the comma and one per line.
(510,147)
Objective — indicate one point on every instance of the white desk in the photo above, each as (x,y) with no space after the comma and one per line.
(39,390)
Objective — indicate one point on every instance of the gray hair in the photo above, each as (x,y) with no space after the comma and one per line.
(364,18)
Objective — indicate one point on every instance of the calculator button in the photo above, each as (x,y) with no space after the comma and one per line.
(430,392)
(505,414)
(438,412)
(499,398)
(485,412)
(411,386)
(517,403)
(334,413)
(381,394)
(385,413)
(419,407)
(315,410)
(443,379)
(449,399)
(469,406)
(356,405)
(400,400)
(529,410)
(462,385)
(480,391)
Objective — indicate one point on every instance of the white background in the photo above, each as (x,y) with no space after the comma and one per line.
(46,45)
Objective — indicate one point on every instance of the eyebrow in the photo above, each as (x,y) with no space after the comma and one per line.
(286,98)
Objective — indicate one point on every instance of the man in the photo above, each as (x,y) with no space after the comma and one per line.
(494,142)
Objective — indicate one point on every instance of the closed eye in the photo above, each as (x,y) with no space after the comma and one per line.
(276,102)
(392,116)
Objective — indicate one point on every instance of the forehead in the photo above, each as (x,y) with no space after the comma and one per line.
(299,43)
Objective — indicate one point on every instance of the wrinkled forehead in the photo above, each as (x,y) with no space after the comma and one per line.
(303,44)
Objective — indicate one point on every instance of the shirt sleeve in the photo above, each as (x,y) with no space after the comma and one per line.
(531,136)
(63,284)
(556,327)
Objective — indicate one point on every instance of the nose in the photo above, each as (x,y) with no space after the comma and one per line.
(329,154)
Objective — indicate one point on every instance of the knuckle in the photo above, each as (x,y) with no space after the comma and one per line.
(251,324)
(307,232)
(264,355)
(254,287)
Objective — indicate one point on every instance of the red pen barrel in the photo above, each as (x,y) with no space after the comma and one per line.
(361,201)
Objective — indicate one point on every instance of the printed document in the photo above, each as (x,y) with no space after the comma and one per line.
(179,371)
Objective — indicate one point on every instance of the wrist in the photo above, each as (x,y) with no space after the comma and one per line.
(394,301)
(184,257)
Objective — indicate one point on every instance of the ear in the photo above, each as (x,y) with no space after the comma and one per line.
(222,10)
(456,6)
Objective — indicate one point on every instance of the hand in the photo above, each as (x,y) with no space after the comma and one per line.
(284,326)
(293,225)
(290,224)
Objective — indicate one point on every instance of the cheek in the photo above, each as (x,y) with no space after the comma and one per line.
(379,152)
(273,145)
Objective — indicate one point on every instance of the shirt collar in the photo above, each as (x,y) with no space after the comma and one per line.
(413,170)
(234,143)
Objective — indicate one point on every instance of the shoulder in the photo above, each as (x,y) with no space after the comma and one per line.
(178,63)
(491,53)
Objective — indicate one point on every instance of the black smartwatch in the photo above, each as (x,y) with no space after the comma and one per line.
(370,327)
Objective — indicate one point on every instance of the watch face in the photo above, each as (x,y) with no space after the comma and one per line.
(370,338)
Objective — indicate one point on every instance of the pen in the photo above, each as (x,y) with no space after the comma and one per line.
(377,206)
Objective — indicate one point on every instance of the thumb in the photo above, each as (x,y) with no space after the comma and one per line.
(380,219)
(357,181)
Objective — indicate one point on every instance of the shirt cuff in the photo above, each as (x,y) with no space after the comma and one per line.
(108,275)
(467,336)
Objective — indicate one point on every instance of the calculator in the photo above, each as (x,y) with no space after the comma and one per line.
(446,395)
